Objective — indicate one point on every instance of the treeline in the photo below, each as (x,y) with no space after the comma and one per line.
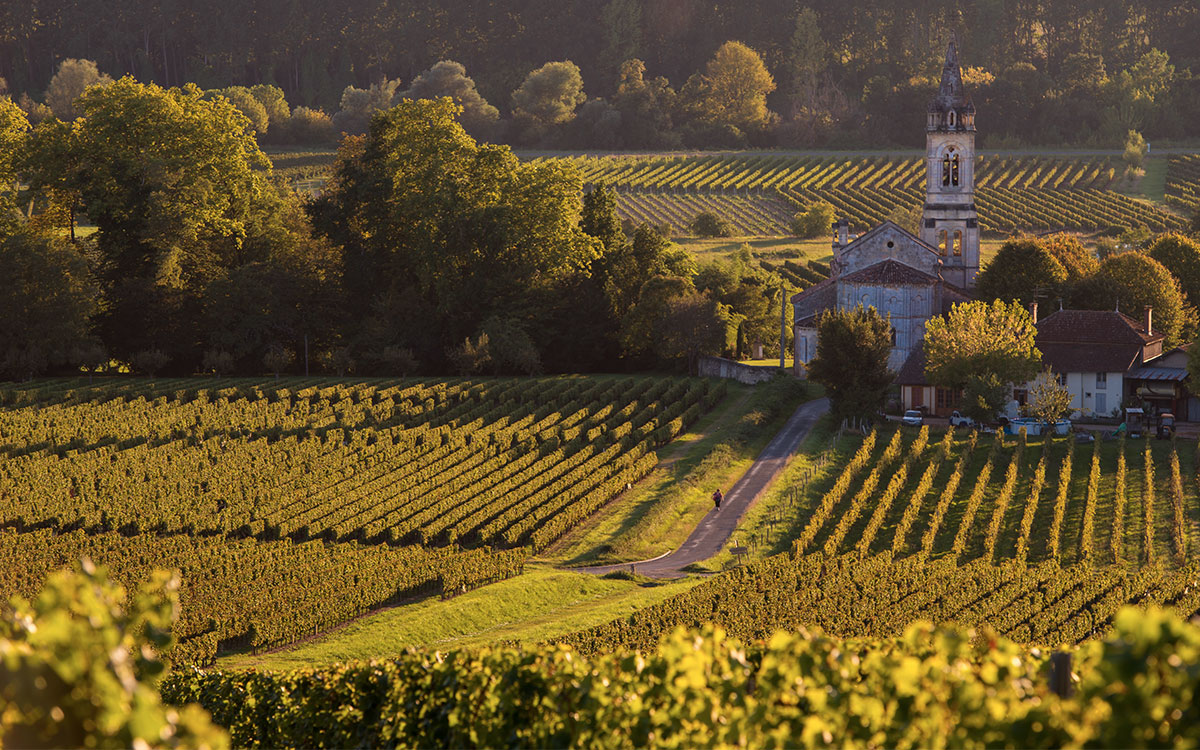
(654,73)
(427,253)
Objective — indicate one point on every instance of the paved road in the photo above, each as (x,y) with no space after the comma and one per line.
(714,530)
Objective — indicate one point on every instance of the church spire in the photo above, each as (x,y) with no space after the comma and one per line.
(951,108)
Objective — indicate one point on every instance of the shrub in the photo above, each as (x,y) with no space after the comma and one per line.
(814,221)
(708,224)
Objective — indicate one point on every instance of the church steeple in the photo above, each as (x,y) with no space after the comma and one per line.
(951,109)
(950,222)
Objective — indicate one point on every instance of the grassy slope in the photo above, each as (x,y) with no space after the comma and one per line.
(539,605)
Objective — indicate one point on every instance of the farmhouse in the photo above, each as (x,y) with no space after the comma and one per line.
(907,277)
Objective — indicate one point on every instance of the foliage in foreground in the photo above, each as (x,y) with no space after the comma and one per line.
(932,688)
(77,669)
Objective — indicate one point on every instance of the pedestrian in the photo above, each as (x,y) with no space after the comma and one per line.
(717,498)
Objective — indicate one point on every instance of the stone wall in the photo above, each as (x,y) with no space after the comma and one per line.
(718,367)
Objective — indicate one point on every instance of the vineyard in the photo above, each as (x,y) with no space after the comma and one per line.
(318,499)
(1183,182)
(971,498)
(932,688)
(758,193)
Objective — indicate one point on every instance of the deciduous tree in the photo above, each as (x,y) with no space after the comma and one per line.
(1181,256)
(449,78)
(1023,270)
(852,361)
(69,82)
(1048,400)
(1131,282)
(979,345)
(441,233)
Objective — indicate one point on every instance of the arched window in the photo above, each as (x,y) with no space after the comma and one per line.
(942,242)
(951,118)
(954,170)
(946,170)
(958,242)
(893,335)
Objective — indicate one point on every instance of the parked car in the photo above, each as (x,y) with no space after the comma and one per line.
(913,417)
(960,420)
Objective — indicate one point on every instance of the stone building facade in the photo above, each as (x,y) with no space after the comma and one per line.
(906,277)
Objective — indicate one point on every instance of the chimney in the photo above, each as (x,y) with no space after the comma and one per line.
(1149,319)
(841,229)
(1033,312)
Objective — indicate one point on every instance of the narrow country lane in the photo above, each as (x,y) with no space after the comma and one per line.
(714,530)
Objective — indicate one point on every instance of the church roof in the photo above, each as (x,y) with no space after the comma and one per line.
(815,300)
(912,372)
(951,92)
(889,273)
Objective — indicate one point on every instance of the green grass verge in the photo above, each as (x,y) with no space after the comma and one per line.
(658,514)
(540,605)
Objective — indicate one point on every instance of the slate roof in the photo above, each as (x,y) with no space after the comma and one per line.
(888,273)
(816,299)
(1092,341)
(912,372)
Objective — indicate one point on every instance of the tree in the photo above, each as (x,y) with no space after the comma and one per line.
(807,51)
(275,105)
(1078,261)
(751,296)
(1023,270)
(81,664)
(549,96)
(1181,256)
(359,105)
(852,361)
(600,218)
(68,84)
(448,78)
(733,90)
(439,232)
(14,127)
(979,345)
(47,300)
(1048,400)
(646,108)
(246,103)
(708,224)
(1135,153)
(1131,282)
(177,188)
(309,126)
(814,221)
(693,325)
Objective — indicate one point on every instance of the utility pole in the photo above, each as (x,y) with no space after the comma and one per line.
(782,323)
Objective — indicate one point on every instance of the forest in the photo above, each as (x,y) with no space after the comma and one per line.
(653,73)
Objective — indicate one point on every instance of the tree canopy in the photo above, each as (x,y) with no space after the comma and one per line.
(1024,270)
(1181,256)
(438,228)
(1131,282)
(852,361)
(981,345)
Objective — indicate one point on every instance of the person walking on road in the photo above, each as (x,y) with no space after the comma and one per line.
(717,498)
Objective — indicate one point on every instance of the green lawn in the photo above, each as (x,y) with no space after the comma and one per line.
(540,605)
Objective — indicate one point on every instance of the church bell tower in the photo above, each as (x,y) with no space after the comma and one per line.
(950,222)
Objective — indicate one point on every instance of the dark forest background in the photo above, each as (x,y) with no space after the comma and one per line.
(845,74)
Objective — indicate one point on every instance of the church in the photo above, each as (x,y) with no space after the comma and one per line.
(910,278)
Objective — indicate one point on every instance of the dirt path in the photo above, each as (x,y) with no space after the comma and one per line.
(714,530)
